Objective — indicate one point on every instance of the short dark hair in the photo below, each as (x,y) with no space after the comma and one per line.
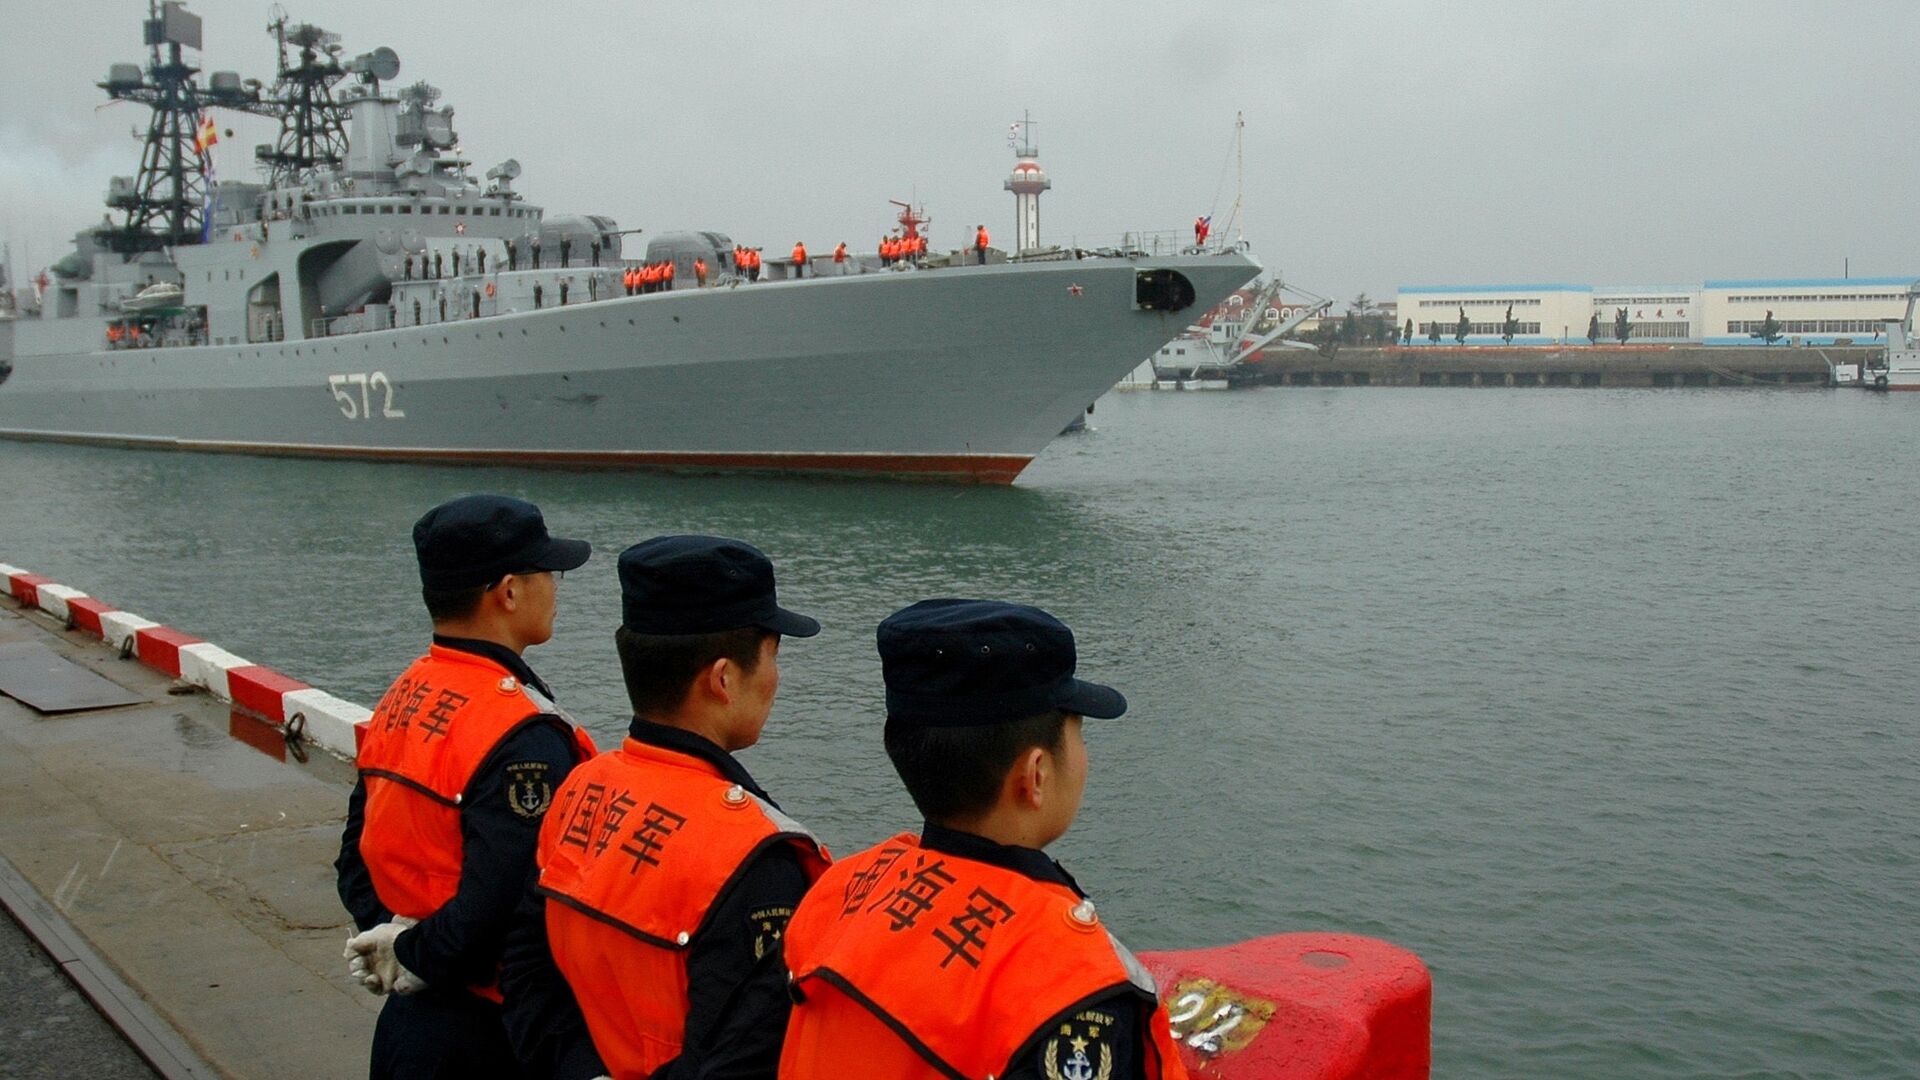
(455,603)
(956,772)
(659,668)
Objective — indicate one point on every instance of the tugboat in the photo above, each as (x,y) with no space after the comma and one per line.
(1897,367)
(373,297)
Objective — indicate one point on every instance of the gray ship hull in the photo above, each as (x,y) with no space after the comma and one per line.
(961,373)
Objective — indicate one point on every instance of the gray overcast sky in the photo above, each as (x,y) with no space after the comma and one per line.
(1387,143)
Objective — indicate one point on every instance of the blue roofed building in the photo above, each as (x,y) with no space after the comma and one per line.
(1808,311)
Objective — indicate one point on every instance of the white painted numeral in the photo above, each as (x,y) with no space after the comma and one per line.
(1210,1032)
(379,378)
(348,407)
(361,407)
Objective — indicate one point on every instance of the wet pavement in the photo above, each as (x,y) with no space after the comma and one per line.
(199,866)
(48,1030)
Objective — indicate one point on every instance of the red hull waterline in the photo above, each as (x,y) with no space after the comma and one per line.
(955,468)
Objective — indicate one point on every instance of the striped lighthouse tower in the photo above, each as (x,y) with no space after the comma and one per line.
(1026,183)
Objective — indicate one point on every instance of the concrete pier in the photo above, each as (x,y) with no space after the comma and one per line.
(198,864)
(1595,366)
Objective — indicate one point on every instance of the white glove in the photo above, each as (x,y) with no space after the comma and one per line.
(371,961)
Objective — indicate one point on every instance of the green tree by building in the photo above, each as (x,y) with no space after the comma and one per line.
(1593,329)
(1509,327)
(1406,335)
(1433,331)
(1769,331)
(1462,328)
(1327,337)
(1622,329)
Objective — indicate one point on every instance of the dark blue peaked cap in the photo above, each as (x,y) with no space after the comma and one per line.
(965,663)
(702,585)
(478,539)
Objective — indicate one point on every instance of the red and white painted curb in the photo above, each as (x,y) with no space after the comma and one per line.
(284,702)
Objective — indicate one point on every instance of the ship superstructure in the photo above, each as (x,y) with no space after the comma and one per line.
(370,296)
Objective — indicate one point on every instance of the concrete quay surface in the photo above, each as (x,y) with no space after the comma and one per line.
(179,840)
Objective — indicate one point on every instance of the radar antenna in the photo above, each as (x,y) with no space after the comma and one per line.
(166,203)
(313,126)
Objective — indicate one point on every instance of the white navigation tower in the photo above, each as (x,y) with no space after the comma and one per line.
(1026,183)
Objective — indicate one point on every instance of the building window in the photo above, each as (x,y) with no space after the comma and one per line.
(1516,302)
(1480,329)
(1806,298)
(1810,326)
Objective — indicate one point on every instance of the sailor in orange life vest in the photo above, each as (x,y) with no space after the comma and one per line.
(666,875)
(966,951)
(458,764)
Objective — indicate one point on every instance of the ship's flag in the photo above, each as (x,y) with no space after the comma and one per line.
(207,136)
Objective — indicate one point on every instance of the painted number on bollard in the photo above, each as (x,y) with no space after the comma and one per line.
(360,407)
(1213,1019)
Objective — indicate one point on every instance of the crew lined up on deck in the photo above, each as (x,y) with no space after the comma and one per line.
(533,910)
(897,249)
(655,277)
(659,275)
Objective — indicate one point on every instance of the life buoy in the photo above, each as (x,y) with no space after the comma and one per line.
(489,290)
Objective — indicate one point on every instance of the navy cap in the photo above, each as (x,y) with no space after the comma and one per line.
(701,585)
(478,539)
(962,663)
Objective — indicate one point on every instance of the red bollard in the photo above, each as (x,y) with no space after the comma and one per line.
(1299,1007)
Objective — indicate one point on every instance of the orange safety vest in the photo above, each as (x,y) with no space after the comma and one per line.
(799,253)
(919,964)
(840,252)
(700,269)
(640,846)
(980,238)
(435,725)
(754,258)
(667,269)
(631,278)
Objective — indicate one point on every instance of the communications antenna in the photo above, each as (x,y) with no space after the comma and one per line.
(313,126)
(164,205)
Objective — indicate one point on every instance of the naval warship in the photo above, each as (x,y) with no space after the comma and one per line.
(367,295)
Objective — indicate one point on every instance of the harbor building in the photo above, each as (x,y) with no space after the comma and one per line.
(1806,311)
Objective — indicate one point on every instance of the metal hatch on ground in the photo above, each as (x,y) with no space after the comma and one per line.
(48,683)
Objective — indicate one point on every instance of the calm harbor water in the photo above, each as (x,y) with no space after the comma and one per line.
(1601,701)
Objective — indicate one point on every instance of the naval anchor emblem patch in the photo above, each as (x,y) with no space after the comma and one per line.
(1081,1048)
(528,790)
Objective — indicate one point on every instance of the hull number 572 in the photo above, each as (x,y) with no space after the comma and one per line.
(358,393)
